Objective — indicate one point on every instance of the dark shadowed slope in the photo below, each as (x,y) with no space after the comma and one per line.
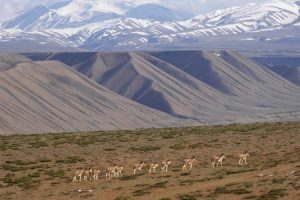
(263,81)
(236,76)
(162,86)
(287,67)
(290,73)
(50,97)
(200,65)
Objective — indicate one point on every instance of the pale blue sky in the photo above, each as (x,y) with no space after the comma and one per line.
(11,7)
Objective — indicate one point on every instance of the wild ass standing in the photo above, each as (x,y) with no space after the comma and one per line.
(218,160)
(152,167)
(138,166)
(165,166)
(119,171)
(189,162)
(96,173)
(88,174)
(78,173)
(243,158)
(111,172)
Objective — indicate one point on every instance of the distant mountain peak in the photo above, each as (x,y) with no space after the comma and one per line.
(157,12)
(78,13)
(133,24)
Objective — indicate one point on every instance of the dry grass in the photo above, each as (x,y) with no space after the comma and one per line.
(41,166)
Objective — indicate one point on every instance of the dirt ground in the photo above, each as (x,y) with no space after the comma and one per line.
(42,166)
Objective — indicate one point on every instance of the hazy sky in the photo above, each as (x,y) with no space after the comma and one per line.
(11,7)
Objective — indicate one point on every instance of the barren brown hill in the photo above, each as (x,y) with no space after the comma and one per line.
(209,86)
(267,81)
(51,97)
(231,73)
(147,80)
(8,61)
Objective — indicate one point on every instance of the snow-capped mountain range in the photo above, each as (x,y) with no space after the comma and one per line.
(145,24)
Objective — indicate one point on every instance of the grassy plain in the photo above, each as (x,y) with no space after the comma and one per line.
(42,166)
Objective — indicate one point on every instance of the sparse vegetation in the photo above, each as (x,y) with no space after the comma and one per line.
(33,163)
(187,197)
(148,188)
(70,160)
(193,196)
(56,174)
(273,194)
(224,190)
(122,198)
(145,148)
(177,146)
(24,182)
(38,144)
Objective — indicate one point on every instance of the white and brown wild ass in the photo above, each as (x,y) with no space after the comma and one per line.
(138,166)
(243,158)
(111,172)
(78,173)
(188,162)
(152,167)
(165,166)
(218,160)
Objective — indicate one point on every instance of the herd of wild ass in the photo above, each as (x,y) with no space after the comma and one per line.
(116,171)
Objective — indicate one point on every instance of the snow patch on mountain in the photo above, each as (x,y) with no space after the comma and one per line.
(109,24)
(72,14)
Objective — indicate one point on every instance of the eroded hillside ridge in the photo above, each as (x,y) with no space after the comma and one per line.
(49,96)
(66,92)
